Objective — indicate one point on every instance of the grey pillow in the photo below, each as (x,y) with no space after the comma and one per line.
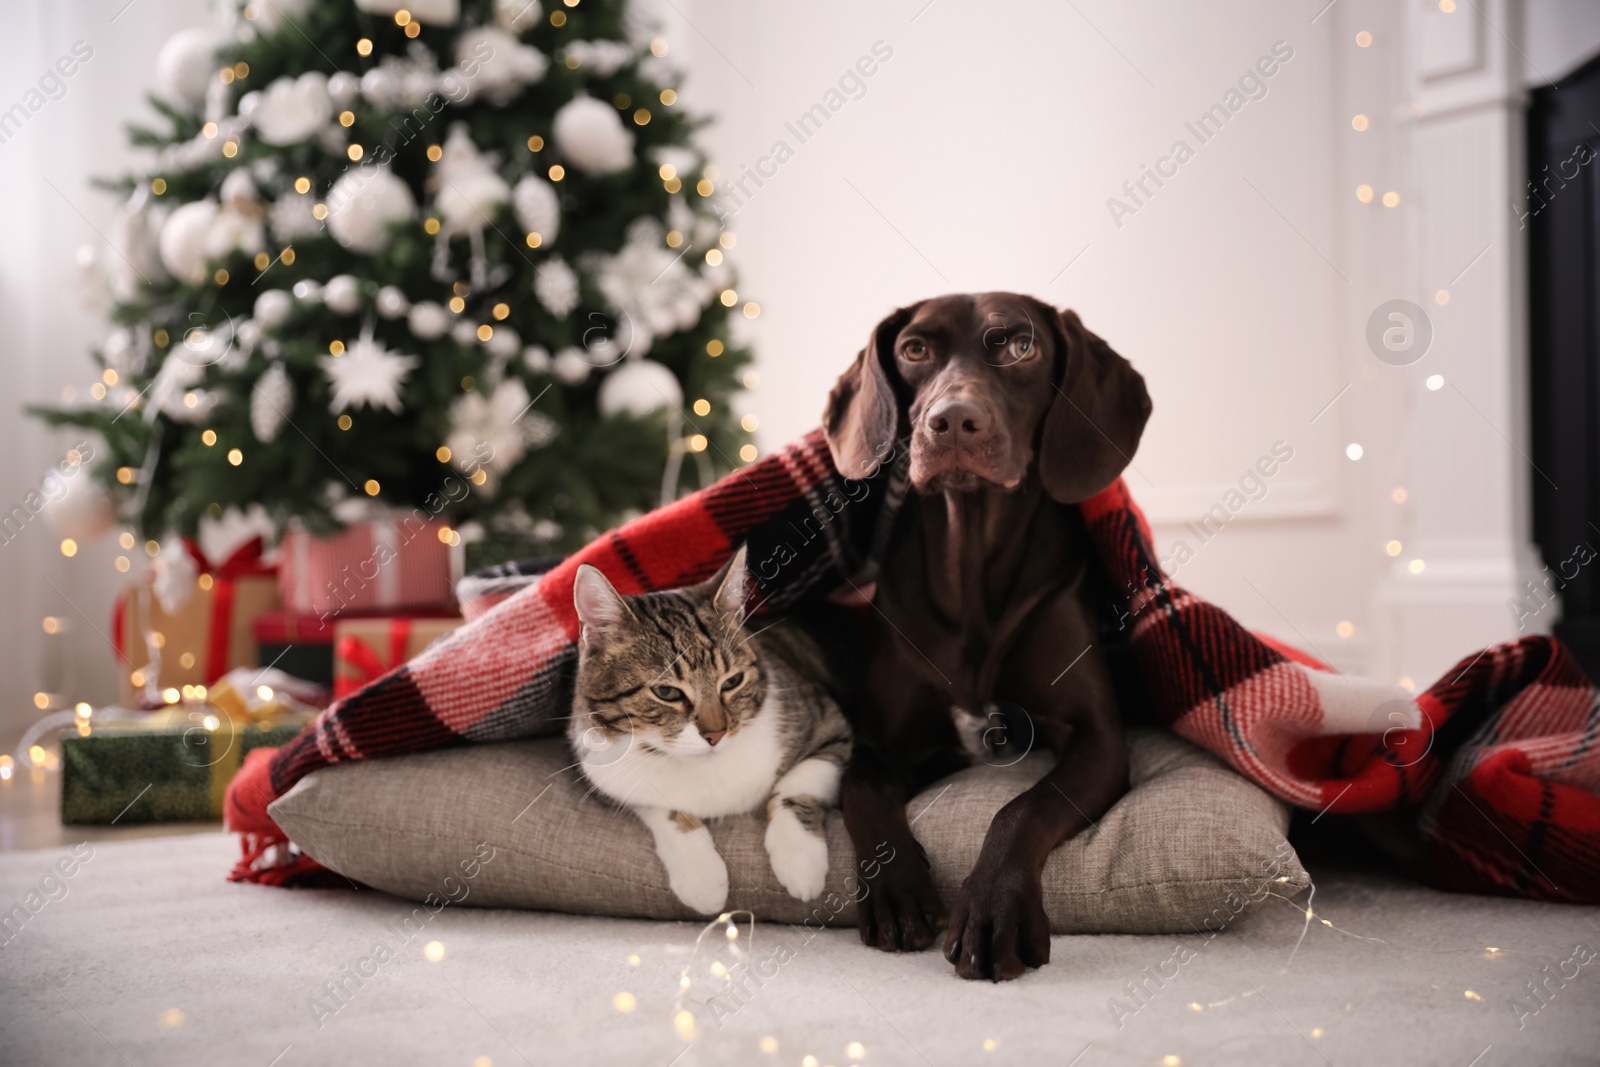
(1193,845)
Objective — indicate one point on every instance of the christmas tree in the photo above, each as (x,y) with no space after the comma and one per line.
(449,255)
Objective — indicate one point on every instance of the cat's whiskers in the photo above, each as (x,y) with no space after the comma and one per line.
(758,633)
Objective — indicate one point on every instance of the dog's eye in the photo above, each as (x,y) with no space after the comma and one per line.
(732,682)
(914,350)
(1022,348)
(670,693)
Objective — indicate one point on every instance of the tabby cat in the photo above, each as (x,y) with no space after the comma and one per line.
(682,715)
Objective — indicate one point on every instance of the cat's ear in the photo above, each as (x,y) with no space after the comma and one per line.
(729,588)
(601,608)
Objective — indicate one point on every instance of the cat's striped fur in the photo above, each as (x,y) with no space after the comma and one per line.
(682,715)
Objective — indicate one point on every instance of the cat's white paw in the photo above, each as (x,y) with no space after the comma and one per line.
(799,857)
(696,873)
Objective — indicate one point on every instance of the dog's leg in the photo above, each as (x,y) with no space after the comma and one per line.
(998,927)
(897,908)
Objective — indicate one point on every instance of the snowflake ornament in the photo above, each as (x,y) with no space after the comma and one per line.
(494,432)
(367,375)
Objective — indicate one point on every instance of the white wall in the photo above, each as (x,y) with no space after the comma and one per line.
(982,157)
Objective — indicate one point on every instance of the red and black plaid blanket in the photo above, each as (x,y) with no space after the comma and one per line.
(1497,763)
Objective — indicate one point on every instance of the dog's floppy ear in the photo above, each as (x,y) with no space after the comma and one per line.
(1094,425)
(863,415)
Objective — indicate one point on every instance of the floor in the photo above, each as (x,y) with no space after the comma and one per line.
(145,955)
(30,816)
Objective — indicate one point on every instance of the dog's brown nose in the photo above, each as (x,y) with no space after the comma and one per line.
(954,421)
(713,736)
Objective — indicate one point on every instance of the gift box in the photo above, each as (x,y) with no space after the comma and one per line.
(382,565)
(202,639)
(172,765)
(296,643)
(365,649)
(301,644)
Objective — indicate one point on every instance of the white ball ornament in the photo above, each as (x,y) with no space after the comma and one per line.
(536,358)
(571,366)
(514,16)
(392,303)
(383,86)
(342,294)
(503,343)
(76,505)
(591,136)
(270,16)
(427,12)
(464,333)
(639,387)
(187,65)
(307,291)
(183,240)
(362,205)
(342,89)
(428,321)
(292,109)
(272,308)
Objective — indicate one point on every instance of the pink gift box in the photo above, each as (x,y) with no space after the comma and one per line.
(377,565)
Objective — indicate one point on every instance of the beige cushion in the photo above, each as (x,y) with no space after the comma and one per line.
(1193,843)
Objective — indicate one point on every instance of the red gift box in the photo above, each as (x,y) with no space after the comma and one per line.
(383,565)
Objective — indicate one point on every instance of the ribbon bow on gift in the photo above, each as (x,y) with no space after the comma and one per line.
(244,562)
(221,579)
(369,666)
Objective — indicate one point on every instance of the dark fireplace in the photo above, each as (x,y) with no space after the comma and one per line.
(1561,212)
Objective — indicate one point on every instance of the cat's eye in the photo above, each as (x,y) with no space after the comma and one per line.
(732,682)
(670,693)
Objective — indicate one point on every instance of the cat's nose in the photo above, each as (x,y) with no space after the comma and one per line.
(713,736)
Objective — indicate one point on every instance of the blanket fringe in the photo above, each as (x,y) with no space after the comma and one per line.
(270,859)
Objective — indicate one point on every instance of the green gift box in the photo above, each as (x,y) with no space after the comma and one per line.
(172,766)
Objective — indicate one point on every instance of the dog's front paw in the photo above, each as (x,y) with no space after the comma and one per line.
(696,873)
(799,856)
(901,910)
(998,928)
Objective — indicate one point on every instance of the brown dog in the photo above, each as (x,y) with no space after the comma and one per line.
(1014,412)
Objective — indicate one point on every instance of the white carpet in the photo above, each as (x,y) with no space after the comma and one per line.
(148,930)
